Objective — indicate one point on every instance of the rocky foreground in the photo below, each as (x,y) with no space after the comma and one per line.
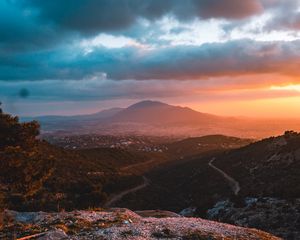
(118,224)
(278,216)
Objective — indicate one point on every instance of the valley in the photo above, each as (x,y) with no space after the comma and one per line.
(204,177)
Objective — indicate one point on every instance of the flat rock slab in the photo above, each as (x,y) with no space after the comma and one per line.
(115,224)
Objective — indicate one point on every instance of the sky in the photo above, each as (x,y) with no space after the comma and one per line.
(227,57)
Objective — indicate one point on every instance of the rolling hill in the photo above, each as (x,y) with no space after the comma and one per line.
(267,173)
(270,167)
(196,146)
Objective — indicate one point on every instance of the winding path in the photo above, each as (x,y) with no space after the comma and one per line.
(234,185)
(136,166)
(119,196)
(131,168)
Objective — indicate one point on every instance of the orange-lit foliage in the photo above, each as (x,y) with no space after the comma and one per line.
(22,165)
(35,175)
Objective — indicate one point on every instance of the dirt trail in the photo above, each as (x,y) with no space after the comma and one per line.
(137,166)
(131,168)
(119,196)
(235,186)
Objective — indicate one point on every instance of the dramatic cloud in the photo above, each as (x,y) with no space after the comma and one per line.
(28,24)
(96,50)
(179,62)
(94,15)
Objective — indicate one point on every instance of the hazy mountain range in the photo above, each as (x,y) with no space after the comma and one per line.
(157,118)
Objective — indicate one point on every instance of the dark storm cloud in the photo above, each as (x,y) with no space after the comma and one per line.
(32,25)
(21,30)
(38,40)
(108,15)
(179,62)
(39,24)
(219,59)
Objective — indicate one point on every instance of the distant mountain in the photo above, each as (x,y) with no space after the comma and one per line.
(160,119)
(153,112)
(147,103)
(103,114)
(99,115)
(71,124)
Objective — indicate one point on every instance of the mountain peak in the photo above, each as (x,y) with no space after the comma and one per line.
(146,104)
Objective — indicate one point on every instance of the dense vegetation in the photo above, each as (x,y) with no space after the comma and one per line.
(23,167)
(268,172)
(267,168)
(189,182)
(270,167)
(175,187)
(35,175)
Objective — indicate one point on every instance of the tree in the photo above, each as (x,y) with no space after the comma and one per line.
(13,133)
(23,163)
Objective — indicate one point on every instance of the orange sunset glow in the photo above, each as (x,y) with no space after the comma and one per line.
(211,60)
